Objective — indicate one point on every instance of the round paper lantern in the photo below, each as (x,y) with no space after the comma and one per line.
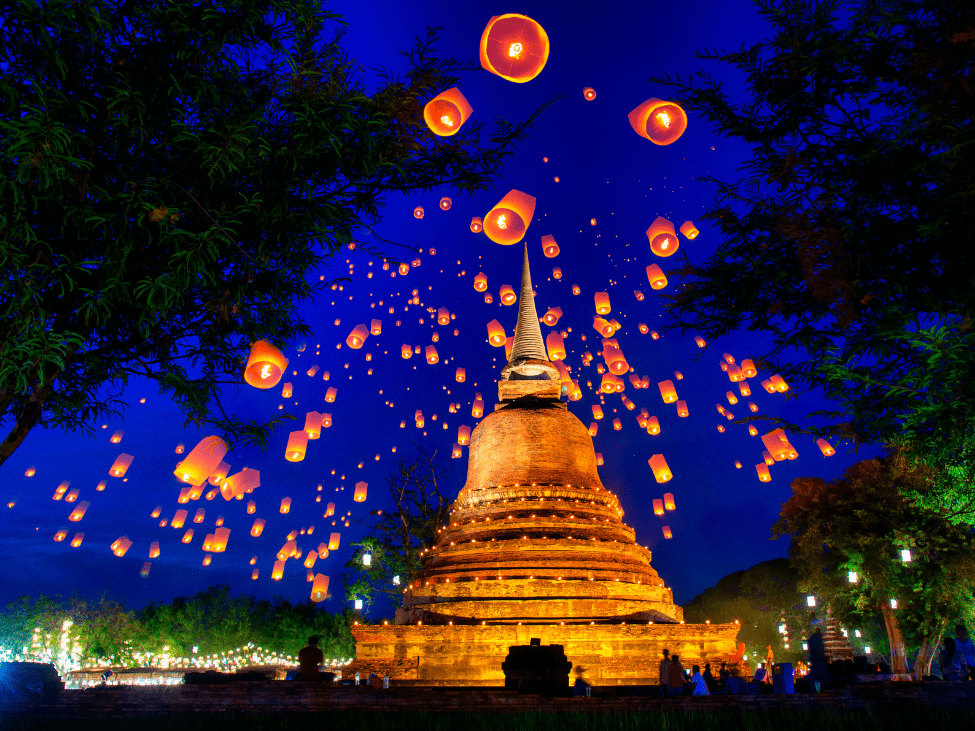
(480,282)
(445,204)
(514,47)
(265,365)
(657,278)
(496,334)
(690,232)
(549,247)
(446,113)
(418,212)
(297,445)
(556,272)
(659,121)
(589,93)
(663,239)
(357,337)
(476,225)
(575,289)
(551,317)
(508,221)
(507,295)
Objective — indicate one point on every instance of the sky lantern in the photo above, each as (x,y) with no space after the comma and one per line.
(120,465)
(496,334)
(242,482)
(265,365)
(418,419)
(329,511)
(599,459)
(549,247)
(601,300)
(333,542)
(556,272)
(735,374)
(403,269)
(667,532)
(78,538)
(508,221)
(286,390)
(285,506)
(277,572)
(62,534)
(669,501)
(763,474)
(297,446)
(661,472)
(116,438)
(319,588)
(443,316)
(330,394)
(659,121)
(690,232)
(507,295)
(312,371)
(777,443)
(406,351)
(617,424)
(418,212)
(744,389)
(678,375)
(313,424)
(179,518)
(597,411)
(555,346)
(463,435)
(589,93)
(615,362)
(732,399)
(593,429)
(460,375)
(825,447)
(121,545)
(663,239)
(430,352)
(603,327)
(357,337)
(445,114)
(653,426)
(748,368)
(514,47)
(477,409)
(700,341)
(376,327)
(682,408)
(326,421)
(779,383)
(79,512)
(656,277)
(154,549)
(480,282)
(643,328)
(61,489)
(654,335)
(575,289)
(667,391)
(551,317)
(608,383)
(658,506)
(200,515)
(360,492)
(444,204)
(180,448)
(255,574)
(30,471)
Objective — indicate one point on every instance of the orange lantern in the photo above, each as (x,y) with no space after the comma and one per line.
(30,472)
(297,446)
(661,472)
(825,447)
(763,473)
(62,534)
(654,335)
(480,282)
(690,232)
(154,549)
(278,571)
(748,368)
(617,424)
(659,121)
(285,506)
(507,295)
(71,496)
(557,274)
(319,588)
(418,212)
(265,365)
(431,354)
(121,545)
(404,269)
(667,391)
(732,399)
(656,277)
(179,518)
(496,334)
(667,533)
(360,492)
(678,375)
(700,341)
(780,385)
(682,408)
(575,289)
(78,538)
(593,429)
(643,328)
(330,394)
(549,246)
(116,438)
(79,512)
(463,435)
(615,362)
(202,461)
(653,426)
(121,465)
(329,512)
(555,345)
(777,443)
(597,411)
(601,300)
(333,542)
(663,239)
(658,507)
(286,391)
(446,113)
(508,221)
(514,47)
(744,389)
(445,204)
(589,93)
(460,375)
(357,337)
(200,515)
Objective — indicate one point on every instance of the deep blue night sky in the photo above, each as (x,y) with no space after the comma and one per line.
(606,172)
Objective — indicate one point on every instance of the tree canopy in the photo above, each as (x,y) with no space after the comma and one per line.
(846,239)
(163,206)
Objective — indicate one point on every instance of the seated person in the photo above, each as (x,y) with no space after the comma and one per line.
(309,658)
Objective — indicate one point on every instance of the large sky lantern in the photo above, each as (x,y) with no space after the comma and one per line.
(430,352)
(507,295)
(588,93)
(668,534)
(359,495)
(79,512)
(658,506)
(121,545)
(508,221)
(763,474)
(659,121)
(297,446)
(514,47)
(551,317)
(555,345)
(615,361)
(601,300)
(463,435)
(333,541)
(330,394)
(549,246)
(748,368)
(667,391)
(313,424)
(669,501)
(656,277)
(277,572)
(496,334)
(689,230)
(329,510)
(661,471)
(319,588)
(825,447)
(357,337)
(265,365)
(443,316)
(446,113)
(376,327)
(480,282)
(120,465)
(286,390)
(460,375)
(662,237)
(777,443)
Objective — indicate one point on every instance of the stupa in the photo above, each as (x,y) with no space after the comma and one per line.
(536,547)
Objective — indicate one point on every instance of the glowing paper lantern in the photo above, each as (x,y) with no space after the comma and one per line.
(658,507)
(575,289)
(763,473)
(667,533)
(319,588)
(602,303)
(551,317)
(480,282)
(285,506)
(357,337)
(265,365)
(79,512)
(682,408)
(555,346)
(557,273)
(678,375)
(507,295)
(656,277)
(615,362)
(496,334)
(463,435)
(732,399)
(508,221)
(202,461)
(643,328)
(200,515)
(667,391)
(477,409)
(278,571)
(777,444)
(220,537)
(593,429)
(690,232)
(663,239)
(286,391)
(778,383)
(654,335)
(242,482)
(313,424)
(78,538)
(121,545)
(589,93)
(116,438)
(653,426)
(30,472)
(62,534)
(669,501)
(748,368)
(659,121)
(121,465)
(418,212)
(825,447)
(312,371)
(460,375)
(445,114)
(514,47)
(597,411)
(617,424)
(360,492)
(330,394)
(744,389)
(333,542)
(549,246)
(329,511)
(297,445)
(661,472)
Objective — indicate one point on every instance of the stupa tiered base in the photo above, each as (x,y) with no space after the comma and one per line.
(471,655)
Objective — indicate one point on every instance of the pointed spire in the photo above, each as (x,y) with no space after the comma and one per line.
(528,335)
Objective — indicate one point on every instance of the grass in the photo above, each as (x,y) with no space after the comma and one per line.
(889,719)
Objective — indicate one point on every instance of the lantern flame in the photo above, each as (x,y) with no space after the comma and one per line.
(514,50)
(447,120)
(266,370)
(501,222)
(664,119)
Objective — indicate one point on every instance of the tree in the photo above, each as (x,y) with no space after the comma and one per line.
(843,238)
(163,207)
(397,540)
(861,524)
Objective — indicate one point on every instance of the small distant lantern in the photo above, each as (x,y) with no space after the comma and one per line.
(682,408)
(376,327)
(557,273)
(330,394)
(285,506)
(667,533)
(575,289)
(418,212)
(460,375)
(430,352)
(445,203)
(589,93)
(700,341)
(480,282)
(658,507)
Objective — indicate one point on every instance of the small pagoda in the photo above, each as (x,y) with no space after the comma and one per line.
(536,547)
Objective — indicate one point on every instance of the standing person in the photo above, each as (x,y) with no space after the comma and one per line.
(309,658)
(769,661)
(708,677)
(952,665)
(966,648)
(700,685)
(676,674)
(665,674)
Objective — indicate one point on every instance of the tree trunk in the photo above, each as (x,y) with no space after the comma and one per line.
(922,666)
(898,655)
(26,421)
